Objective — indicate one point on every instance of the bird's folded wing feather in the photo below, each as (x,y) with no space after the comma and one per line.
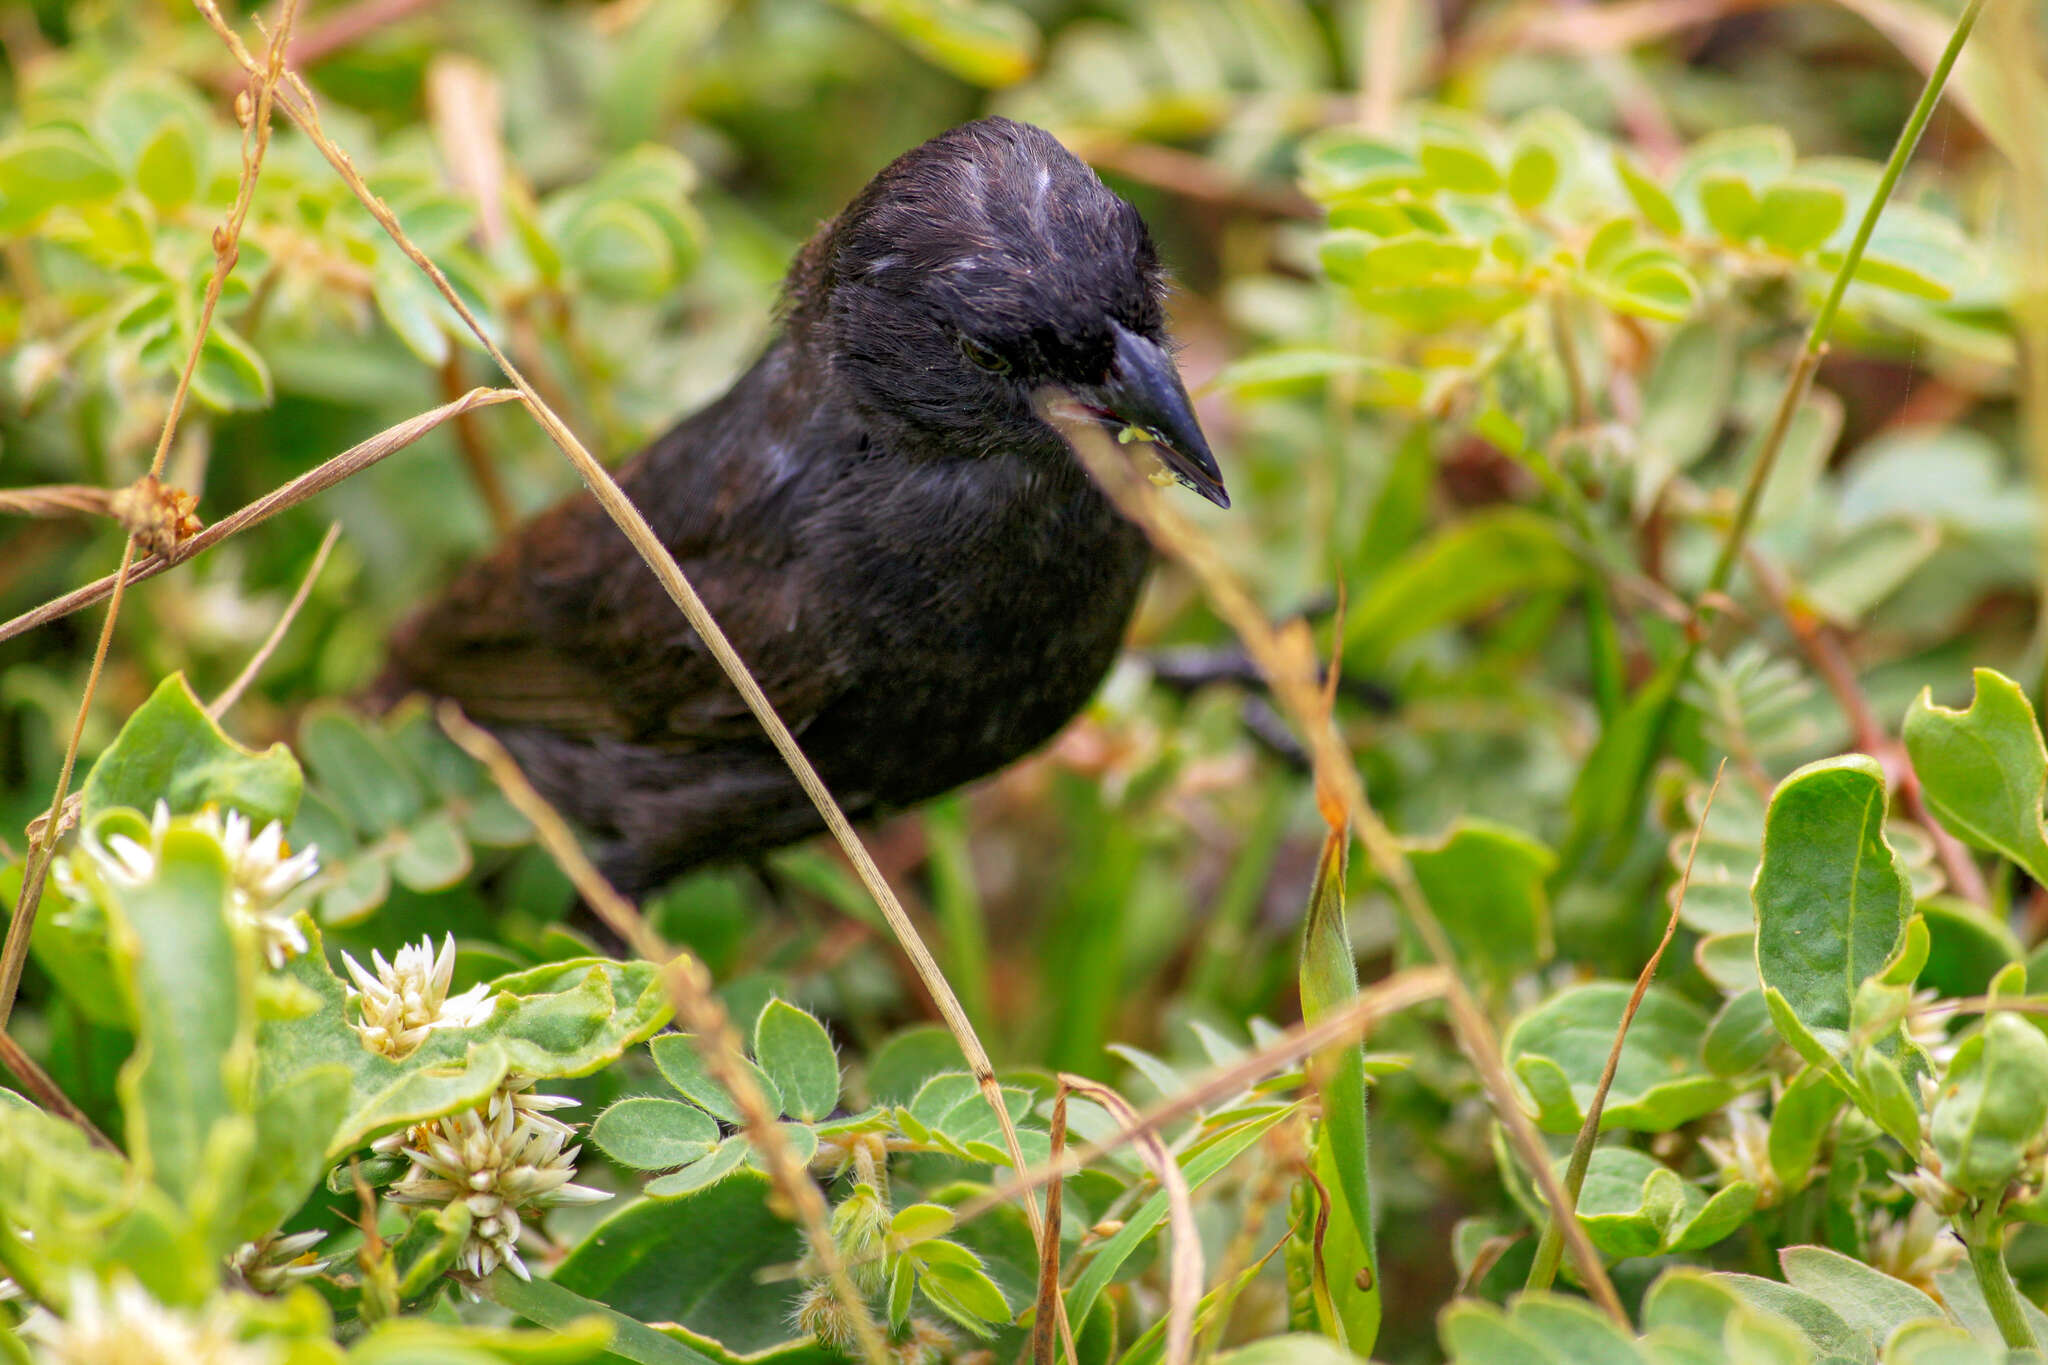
(565,629)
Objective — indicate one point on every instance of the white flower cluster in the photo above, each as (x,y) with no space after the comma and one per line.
(506,1162)
(123,1325)
(262,871)
(407,998)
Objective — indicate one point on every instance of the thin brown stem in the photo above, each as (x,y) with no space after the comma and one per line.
(476,455)
(45,1091)
(1544,1269)
(225,702)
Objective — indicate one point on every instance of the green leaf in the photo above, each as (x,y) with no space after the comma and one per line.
(1796,216)
(1799,1123)
(230,376)
(1661,291)
(1486,884)
(619,250)
(1886,1099)
(1341,1145)
(1461,169)
(171,750)
(1532,175)
(1275,372)
(548,1303)
(566,1018)
(796,1052)
(1824,1328)
(1967,947)
(1339,162)
(963,1293)
(1983,769)
(46,167)
(1868,565)
(898,1069)
(167,171)
(295,1125)
(654,1262)
(731,1155)
(649,1133)
(1466,568)
(1831,894)
(358,770)
(1741,1037)
(185,1091)
(1993,1106)
(1658,1084)
(1730,205)
(1477,1333)
(675,1054)
(989,45)
(1649,198)
(1868,1300)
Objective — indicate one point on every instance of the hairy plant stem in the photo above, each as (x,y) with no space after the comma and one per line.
(1986,1242)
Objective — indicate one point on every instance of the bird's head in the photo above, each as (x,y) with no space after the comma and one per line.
(980,270)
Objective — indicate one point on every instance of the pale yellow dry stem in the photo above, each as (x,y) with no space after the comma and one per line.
(1401,991)
(255,140)
(1288,666)
(232,693)
(697,1006)
(352,461)
(1184,1256)
(297,102)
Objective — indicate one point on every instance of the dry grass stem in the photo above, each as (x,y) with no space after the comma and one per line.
(57,500)
(225,702)
(1403,990)
(297,102)
(697,1007)
(351,461)
(43,1088)
(1184,1258)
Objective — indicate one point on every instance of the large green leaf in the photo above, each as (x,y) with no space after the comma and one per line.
(1831,895)
(171,750)
(658,1262)
(1983,769)
(1467,567)
(1485,882)
(1993,1106)
(186,1092)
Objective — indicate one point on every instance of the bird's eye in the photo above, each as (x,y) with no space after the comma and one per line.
(986,357)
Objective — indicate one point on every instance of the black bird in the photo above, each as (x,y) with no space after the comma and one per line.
(916,566)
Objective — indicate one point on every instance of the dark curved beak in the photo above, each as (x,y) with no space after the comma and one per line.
(1143,390)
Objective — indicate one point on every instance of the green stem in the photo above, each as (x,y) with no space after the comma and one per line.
(1824,320)
(1986,1243)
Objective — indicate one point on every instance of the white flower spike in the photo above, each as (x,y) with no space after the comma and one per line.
(407,998)
(505,1162)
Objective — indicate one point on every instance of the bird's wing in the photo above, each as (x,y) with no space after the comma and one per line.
(565,629)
